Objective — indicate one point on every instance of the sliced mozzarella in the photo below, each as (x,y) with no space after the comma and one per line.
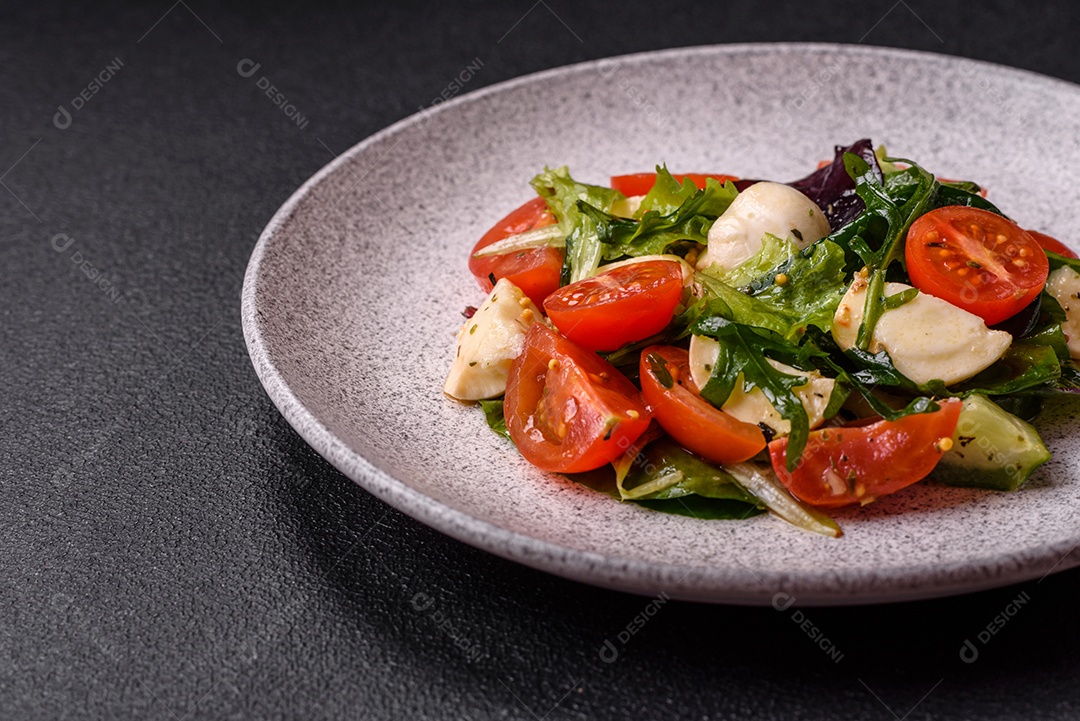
(752,406)
(1064,285)
(762,208)
(489,342)
(927,338)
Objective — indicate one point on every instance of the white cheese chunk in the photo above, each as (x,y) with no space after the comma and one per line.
(763,208)
(752,406)
(1064,285)
(927,338)
(489,342)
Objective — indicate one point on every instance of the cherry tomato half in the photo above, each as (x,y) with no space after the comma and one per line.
(691,420)
(1052,244)
(860,463)
(642,183)
(977,260)
(567,409)
(619,306)
(535,270)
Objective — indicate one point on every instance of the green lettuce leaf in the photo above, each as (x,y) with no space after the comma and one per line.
(725,302)
(666,477)
(813,289)
(774,252)
(667,194)
(654,233)
(564,197)
(703,508)
(815,285)
(665,470)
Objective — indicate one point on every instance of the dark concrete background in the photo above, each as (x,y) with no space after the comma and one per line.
(171,549)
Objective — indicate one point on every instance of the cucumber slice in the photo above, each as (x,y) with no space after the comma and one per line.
(991,449)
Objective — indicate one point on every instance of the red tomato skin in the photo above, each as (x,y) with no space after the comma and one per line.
(940,250)
(691,420)
(572,416)
(617,307)
(642,183)
(880,458)
(1052,244)
(535,270)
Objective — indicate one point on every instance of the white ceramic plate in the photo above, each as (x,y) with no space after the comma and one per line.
(353,296)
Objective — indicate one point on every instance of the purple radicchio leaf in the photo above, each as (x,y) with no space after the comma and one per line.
(833,189)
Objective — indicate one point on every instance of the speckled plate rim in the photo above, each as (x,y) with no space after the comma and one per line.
(736,584)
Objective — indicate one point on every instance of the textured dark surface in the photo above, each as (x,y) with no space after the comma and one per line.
(173,550)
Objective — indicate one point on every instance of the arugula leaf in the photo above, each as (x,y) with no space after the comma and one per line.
(919,189)
(564,196)
(898,216)
(864,371)
(873,308)
(1044,328)
(1057,261)
(962,194)
(1023,367)
(877,369)
(744,351)
(493,414)
(896,300)
(901,185)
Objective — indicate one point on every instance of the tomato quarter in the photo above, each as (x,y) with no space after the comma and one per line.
(858,464)
(619,306)
(1052,244)
(535,270)
(567,409)
(977,260)
(680,410)
(642,183)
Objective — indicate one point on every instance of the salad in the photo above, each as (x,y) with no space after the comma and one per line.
(725,347)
